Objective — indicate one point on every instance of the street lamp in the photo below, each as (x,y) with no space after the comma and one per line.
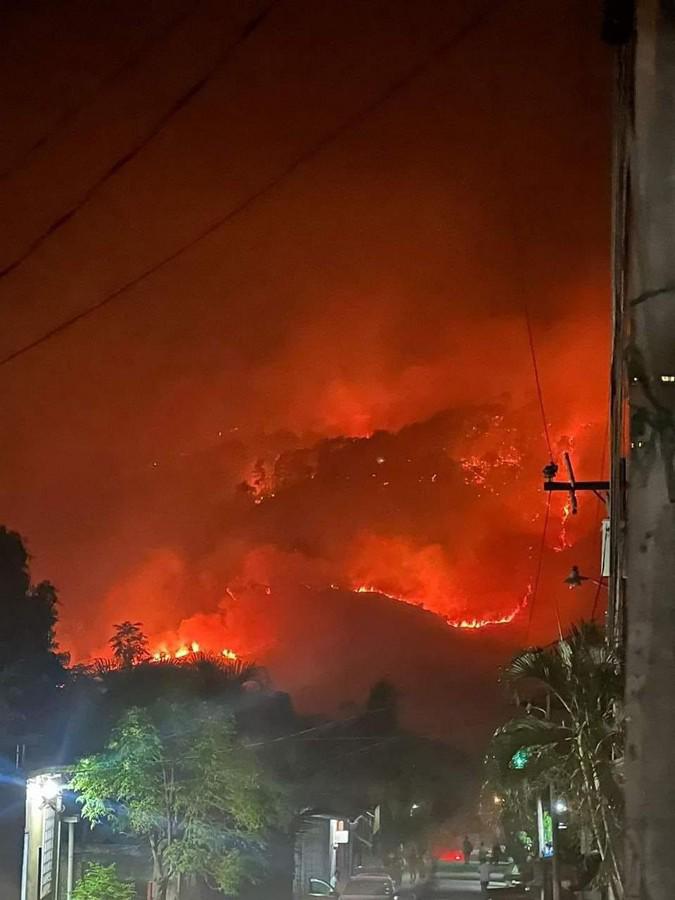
(42,834)
(44,790)
(575,579)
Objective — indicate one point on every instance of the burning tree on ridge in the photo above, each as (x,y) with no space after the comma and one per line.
(129,644)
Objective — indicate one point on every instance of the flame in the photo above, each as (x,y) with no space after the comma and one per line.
(472,624)
(563,541)
(185,650)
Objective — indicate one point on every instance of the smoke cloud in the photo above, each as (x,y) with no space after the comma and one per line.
(336,391)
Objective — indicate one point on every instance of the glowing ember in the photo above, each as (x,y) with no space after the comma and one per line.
(472,624)
(478,467)
(229,654)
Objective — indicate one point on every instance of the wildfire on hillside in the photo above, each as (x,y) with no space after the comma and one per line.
(186,650)
(471,624)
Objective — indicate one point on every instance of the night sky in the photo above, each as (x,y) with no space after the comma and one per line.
(334,388)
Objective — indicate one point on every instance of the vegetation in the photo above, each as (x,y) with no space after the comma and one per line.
(31,667)
(129,644)
(570,739)
(178,776)
(101,883)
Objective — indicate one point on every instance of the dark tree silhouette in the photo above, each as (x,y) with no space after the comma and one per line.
(30,614)
(32,671)
(129,644)
(382,707)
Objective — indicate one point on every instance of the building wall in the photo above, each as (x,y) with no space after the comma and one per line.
(312,858)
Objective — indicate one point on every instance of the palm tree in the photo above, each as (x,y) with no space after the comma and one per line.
(571,737)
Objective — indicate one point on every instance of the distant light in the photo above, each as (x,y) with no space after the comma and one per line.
(668,378)
(43,789)
(519,759)
(50,789)
(560,805)
(380,459)
(498,800)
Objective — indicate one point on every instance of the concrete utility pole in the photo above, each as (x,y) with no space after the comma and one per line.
(650,501)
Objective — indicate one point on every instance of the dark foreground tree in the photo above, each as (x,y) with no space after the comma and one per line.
(31,668)
(179,776)
(570,739)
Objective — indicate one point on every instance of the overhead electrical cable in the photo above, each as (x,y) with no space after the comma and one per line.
(71,112)
(537,379)
(596,598)
(346,125)
(538,570)
(179,104)
(322,726)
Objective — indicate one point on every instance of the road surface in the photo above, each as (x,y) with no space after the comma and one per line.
(443,889)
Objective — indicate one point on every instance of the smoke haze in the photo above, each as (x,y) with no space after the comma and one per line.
(335,390)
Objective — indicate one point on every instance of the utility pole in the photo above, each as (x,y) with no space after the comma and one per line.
(649,359)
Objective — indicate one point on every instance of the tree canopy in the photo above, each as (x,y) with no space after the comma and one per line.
(177,775)
(129,644)
(31,668)
(569,737)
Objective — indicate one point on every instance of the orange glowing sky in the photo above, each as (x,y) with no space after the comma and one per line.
(350,352)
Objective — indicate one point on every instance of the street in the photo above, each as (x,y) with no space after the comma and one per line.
(442,887)
(453,887)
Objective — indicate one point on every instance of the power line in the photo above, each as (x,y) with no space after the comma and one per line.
(69,114)
(540,562)
(331,723)
(179,104)
(596,598)
(350,122)
(540,395)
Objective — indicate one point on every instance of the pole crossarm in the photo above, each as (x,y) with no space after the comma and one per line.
(576,486)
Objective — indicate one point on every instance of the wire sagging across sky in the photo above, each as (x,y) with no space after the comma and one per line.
(350,122)
(115,168)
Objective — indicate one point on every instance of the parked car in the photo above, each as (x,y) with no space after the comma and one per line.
(378,870)
(512,892)
(319,888)
(359,887)
(365,887)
